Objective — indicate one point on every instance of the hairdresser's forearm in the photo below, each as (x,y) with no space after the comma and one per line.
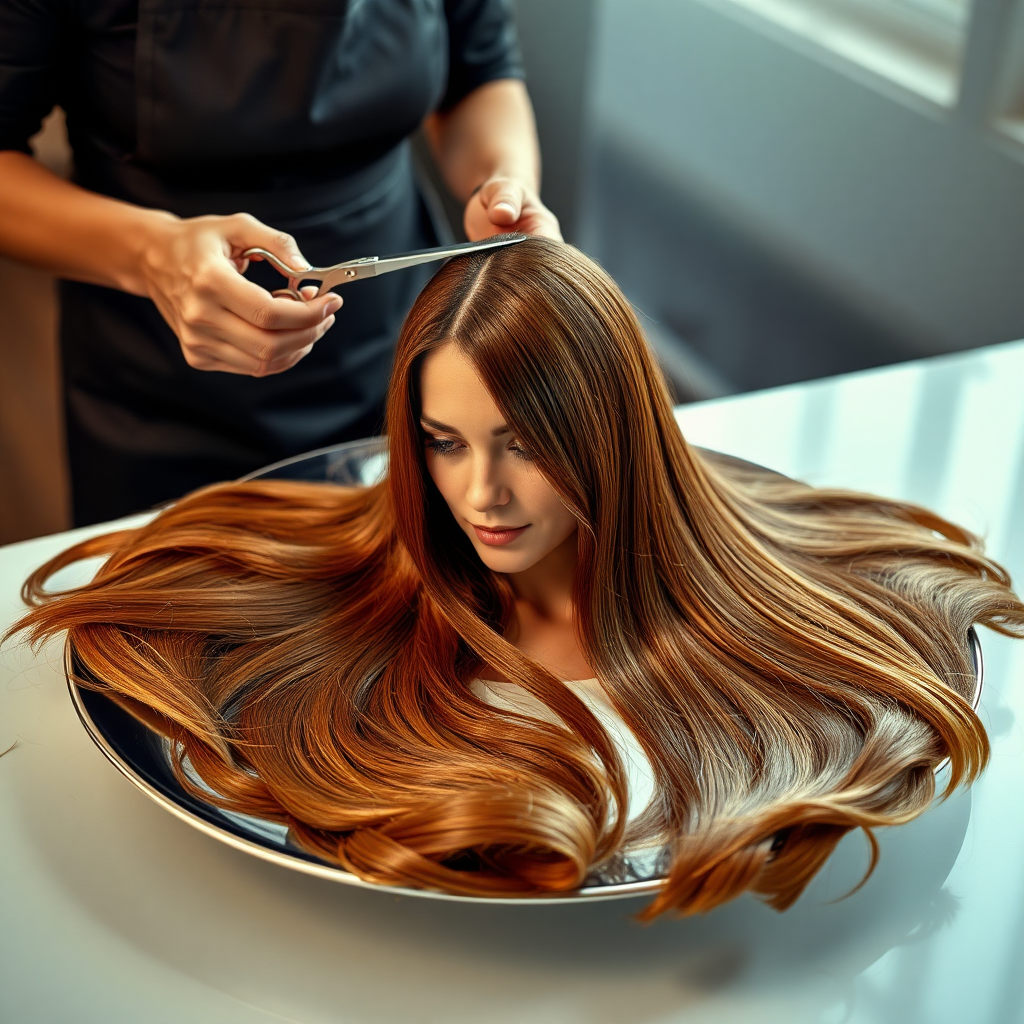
(490,133)
(190,267)
(55,225)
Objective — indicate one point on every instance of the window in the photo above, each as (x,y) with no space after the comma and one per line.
(953,12)
(1008,112)
(912,47)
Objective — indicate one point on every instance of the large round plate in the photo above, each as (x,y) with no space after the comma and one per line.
(143,755)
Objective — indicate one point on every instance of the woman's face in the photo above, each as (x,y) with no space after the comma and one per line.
(499,498)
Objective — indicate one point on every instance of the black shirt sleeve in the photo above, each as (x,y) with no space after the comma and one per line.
(482,46)
(30,35)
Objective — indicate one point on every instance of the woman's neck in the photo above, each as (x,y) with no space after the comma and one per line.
(544,628)
(547,585)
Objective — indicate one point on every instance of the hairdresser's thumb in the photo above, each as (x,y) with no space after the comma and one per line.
(246,232)
(504,204)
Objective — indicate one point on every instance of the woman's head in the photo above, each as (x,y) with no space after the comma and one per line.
(537,338)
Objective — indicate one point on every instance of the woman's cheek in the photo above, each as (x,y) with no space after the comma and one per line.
(445,480)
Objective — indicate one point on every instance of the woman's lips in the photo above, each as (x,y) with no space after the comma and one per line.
(498,536)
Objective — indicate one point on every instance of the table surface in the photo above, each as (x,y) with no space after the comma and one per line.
(113,910)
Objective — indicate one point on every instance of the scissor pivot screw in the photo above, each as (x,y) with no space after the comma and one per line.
(350,273)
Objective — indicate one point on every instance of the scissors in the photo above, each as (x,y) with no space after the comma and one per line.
(369,266)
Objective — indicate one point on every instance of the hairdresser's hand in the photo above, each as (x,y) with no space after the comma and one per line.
(192,269)
(507,204)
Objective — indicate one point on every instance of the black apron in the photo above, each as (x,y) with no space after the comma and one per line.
(216,80)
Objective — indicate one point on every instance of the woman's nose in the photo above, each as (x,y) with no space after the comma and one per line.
(486,487)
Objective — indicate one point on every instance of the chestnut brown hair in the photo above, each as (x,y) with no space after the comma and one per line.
(793,660)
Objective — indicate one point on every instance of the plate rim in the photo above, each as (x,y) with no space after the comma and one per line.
(316,866)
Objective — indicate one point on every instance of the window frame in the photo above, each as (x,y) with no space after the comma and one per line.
(911,49)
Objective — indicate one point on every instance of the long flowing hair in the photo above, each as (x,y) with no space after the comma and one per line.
(793,661)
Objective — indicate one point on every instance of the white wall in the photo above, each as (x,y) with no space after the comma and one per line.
(916,216)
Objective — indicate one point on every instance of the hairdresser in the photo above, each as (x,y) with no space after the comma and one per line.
(179,370)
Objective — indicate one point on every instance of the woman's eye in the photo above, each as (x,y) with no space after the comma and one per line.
(442,445)
(520,451)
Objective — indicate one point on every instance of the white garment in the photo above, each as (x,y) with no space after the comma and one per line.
(639,776)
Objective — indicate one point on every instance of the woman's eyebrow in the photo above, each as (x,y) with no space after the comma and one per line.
(445,429)
(435,425)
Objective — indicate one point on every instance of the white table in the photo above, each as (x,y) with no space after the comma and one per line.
(112,910)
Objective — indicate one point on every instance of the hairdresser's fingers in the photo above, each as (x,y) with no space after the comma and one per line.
(218,339)
(265,352)
(536,219)
(204,328)
(257,306)
(506,204)
(242,231)
(502,198)
(190,268)
(206,279)
(208,352)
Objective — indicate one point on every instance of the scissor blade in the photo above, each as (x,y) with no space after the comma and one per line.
(418,256)
(370,266)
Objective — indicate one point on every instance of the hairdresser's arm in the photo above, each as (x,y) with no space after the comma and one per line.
(486,147)
(189,268)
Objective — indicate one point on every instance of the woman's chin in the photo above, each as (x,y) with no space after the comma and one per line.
(503,559)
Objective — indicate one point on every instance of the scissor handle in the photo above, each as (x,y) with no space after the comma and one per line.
(326,277)
(295,277)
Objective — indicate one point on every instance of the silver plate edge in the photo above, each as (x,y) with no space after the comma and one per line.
(589,894)
(331,449)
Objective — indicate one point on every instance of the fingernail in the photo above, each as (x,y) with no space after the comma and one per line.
(333,305)
(327,324)
(506,206)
